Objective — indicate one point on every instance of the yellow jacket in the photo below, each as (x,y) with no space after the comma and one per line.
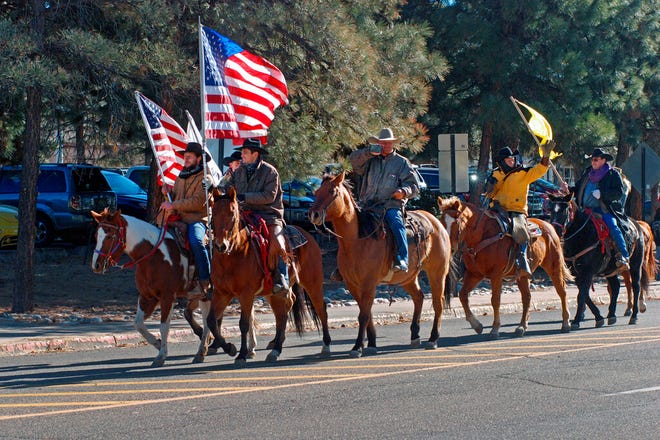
(511,189)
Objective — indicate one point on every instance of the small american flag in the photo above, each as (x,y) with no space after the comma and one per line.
(167,137)
(241,90)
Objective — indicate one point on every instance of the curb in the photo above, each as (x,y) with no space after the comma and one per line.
(133,339)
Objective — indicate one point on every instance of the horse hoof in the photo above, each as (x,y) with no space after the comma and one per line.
(633,321)
(251,354)
(198,359)
(370,351)
(575,325)
(240,363)
(211,350)
(415,343)
(628,312)
(642,308)
(270,345)
(565,328)
(158,362)
(272,356)
(231,350)
(430,345)
(611,320)
(325,352)
(600,322)
(494,334)
(355,353)
(479,328)
(520,332)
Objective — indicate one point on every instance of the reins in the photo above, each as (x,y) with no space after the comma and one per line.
(120,244)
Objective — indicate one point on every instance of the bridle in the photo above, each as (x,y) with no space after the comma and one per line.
(583,252)
(236,228)
(324,210)
(119,246)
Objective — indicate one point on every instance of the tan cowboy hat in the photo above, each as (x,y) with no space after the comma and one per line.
(384,135)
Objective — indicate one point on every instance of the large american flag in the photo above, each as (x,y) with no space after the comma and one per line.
(241,90)
(167,139)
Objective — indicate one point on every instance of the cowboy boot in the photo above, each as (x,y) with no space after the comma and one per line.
(205,288)
(522,263)
(280,277)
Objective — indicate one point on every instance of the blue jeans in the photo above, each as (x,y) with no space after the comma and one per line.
(394,219)
(196,234)
(615,232)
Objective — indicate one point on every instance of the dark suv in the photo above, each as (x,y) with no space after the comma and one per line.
(66,195)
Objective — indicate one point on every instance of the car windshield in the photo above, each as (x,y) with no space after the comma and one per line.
(121,184)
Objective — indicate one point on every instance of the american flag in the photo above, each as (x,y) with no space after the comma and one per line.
(168,140)
(241,90)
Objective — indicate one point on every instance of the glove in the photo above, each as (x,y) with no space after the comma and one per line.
(208,182)
(240,197)
(596,194)
(547,148)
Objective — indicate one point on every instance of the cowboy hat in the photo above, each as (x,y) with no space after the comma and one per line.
(196,149)
(384,135)
(600,153)
(253,144)
(236,155)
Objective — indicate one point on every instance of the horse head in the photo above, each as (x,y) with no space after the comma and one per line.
(110,239)
(450,213)
(562,209)
(226,220)
(332,199)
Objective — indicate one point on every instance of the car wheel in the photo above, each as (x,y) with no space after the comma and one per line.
(45,232)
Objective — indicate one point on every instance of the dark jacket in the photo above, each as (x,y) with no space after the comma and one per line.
(611,189)
(262,191)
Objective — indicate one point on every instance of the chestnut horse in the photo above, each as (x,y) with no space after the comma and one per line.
(366,262)
(562,209)
(236,272)
(489,253)
(161,270)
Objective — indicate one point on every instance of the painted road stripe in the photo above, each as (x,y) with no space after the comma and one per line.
(640,390)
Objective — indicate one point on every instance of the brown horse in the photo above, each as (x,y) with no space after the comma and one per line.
(366,262)
(161,270)
(489,253)
(563,208)
(237,272)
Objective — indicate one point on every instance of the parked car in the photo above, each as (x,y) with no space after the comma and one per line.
(8,226)
(431,177)
(140,174)
(131,199)
(66,195)
(297,197)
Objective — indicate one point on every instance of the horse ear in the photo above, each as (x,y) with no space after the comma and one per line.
(340,178)
(231,192)
(96,216)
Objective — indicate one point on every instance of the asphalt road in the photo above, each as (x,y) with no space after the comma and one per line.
(590,383)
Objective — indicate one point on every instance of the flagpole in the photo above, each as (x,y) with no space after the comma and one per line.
(538,144)
(151,142)
(202,136)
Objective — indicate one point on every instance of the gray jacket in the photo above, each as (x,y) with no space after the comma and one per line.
(382,176)
(263,191)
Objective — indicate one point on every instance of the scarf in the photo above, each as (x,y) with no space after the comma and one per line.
(251,168)
(596,175)
(187,172)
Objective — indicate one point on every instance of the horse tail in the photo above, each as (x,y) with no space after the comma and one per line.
(455,274)
(302,311)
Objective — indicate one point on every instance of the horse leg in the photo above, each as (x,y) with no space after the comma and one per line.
(560,287)
(470,281)
(280,305)
(315,294)
(252,338)
(365,302)
(417,296)
(613,285)
(210,311)
(496,287)
(437,284)
(191,306)
(629,290)
(144,309)
(526,296)
(166,307)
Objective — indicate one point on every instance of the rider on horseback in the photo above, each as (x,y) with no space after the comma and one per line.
(387,181)
(507,188)
(601,188)
(189,202)
(258,189)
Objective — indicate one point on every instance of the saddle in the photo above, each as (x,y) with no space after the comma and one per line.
(506,225)
(625,224)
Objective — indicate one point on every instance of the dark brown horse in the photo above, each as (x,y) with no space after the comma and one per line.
(489,253)
(162,272)
(237,272)
(366,262)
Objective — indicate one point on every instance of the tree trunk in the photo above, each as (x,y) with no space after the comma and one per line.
(80,141)
(484,160)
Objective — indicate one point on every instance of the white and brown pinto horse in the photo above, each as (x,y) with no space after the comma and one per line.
(162,272)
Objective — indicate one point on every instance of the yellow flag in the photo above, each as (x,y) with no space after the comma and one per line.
(538,124)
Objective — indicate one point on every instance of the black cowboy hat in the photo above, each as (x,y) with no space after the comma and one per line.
(600,153)
(236,155)
(196,148)
(253,144)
